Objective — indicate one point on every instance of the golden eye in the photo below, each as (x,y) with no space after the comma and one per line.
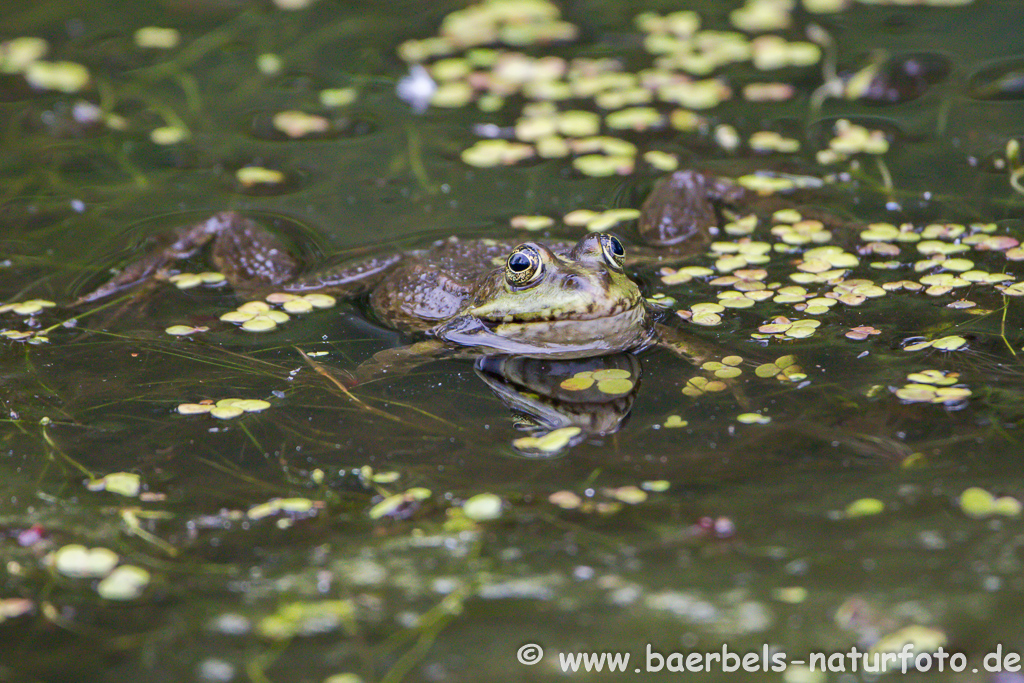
(614,253)
(523,266)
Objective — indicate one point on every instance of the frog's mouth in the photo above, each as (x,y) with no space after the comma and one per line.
(561,336)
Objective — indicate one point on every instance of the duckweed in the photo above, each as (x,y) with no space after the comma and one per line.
(483,507)
(79,562)
(122,483)
(127,582)
(298,124)
(864,507)
(27,308)
(185,330)
(552,442)
(977,502)
(157,38)
(531,222)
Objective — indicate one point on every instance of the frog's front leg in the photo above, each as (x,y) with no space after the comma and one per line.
(249,256)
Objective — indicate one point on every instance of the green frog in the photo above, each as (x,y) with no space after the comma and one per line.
(559,300)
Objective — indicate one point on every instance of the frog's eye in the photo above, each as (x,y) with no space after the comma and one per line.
(614,253)
(523,265)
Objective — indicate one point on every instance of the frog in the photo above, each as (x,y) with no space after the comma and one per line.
(538,300)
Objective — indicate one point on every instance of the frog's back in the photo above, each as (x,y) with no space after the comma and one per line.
(432,284)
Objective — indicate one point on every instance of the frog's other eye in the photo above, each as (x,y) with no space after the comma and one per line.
(613,251)
(523,266)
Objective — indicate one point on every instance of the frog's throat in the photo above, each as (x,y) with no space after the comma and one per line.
(627,330)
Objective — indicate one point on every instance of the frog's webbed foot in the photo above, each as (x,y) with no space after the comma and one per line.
(249,256)
(687,347)
(346,279)
(698,352)
(401,360)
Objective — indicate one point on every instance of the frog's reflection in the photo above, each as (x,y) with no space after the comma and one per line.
(559,403)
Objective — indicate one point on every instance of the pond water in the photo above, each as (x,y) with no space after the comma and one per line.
(841,470)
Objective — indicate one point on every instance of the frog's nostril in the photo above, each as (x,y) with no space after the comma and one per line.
(571,283)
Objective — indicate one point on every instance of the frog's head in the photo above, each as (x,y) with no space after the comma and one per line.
(543,304)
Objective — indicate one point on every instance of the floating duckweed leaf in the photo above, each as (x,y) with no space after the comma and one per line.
(250,176)
(483,507)
(760,17)
(736,301)
(11,608)
(552,442)
(298,124)
(977,502)
(225,412)
(232,317)
(168,135)
(256,307)
(67,77)
(122,483)
(489,153)
(951,343)
(656,486)
(194,408)
(292,506)
(601,166)
(936,377)
(80,562)
(768,92)
(29,307)
(338,97)
(793,595)
(579,217)
(727,137)
(297,306)
(259,323)
(853,139)
(732,360)
(321,300)
(861,333)
(663,161)
(766,184)
(930,247)
(307,619)
(686,120)
(615,386)
(185,330)
(578,382)
(628,494)
(728,373)
(864,507)
(127,582)
(16,54)
(674,422)
(753,418)
(634,118)
(567,500)
(609,219)
(787,216)
(770,141)
(670,276)
(701,94)
(157,37)
(611,373)
(186,280)
(767,370)
(926,393)
(385,477)
(531,222)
